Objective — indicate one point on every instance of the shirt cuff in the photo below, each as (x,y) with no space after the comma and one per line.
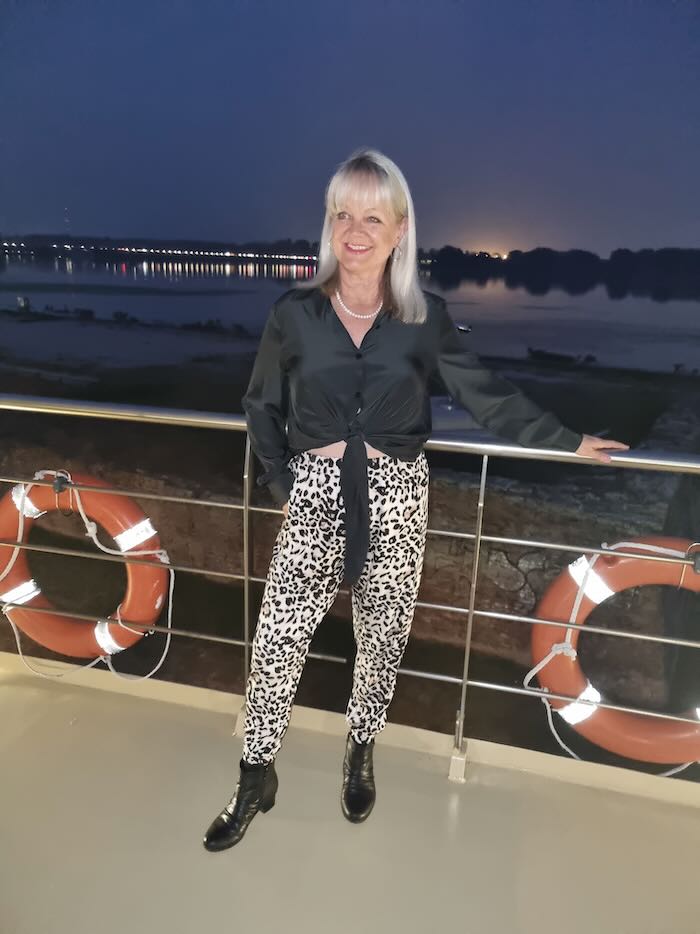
(566,440)
(281,487)
(279,483)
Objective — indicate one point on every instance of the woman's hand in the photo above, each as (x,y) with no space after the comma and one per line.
(594,447)
(285,509)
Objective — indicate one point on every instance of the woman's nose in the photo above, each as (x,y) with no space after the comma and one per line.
(357,226)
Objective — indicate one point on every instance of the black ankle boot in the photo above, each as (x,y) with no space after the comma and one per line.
(358,795)
(255,791)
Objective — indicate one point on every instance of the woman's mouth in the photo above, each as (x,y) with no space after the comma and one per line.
(356,248)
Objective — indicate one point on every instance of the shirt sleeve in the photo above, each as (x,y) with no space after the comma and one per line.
(265,404)
(494,401)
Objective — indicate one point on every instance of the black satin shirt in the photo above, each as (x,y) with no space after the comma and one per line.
(311,386)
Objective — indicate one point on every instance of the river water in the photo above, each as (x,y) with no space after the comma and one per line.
(632,332)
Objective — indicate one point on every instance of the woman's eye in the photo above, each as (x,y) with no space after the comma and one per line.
(374,220)
(342,215)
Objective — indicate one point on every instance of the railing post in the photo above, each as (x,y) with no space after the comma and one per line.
(458,761)
(247,543)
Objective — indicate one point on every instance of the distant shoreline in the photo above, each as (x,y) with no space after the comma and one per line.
(76,341)
(69,349)
(98,289)
(87,316)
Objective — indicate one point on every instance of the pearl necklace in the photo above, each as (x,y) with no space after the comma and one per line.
(354,314)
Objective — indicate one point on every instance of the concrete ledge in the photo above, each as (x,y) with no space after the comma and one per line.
(577,772)
(480,753)
(100,679)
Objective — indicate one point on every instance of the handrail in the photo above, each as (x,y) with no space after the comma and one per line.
(481,445)
(122,412)
(676,463)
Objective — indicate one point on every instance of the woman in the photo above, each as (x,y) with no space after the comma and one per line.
(338,412)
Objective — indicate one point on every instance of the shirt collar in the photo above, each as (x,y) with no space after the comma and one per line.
(314,300)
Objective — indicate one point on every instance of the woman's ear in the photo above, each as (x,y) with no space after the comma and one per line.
(403,227)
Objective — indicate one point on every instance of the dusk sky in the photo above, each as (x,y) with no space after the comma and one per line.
(518,123)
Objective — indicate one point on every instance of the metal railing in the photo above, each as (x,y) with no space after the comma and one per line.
(485,450)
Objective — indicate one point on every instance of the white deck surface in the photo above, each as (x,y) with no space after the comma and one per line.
(105,798)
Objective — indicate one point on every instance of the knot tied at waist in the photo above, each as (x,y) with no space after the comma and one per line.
(354,487)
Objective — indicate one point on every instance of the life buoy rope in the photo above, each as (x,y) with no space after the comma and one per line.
(148,583)
(571,597)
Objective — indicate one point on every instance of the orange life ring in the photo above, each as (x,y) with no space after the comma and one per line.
(646,739)
(127,524)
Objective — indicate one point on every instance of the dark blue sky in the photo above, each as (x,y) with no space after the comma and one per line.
(566,123)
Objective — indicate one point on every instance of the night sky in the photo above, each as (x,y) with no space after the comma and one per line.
(518,123)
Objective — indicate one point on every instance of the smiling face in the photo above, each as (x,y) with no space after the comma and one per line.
(364,230)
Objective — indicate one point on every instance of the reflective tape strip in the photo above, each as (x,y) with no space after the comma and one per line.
(576,712)
(595,587)
(105,639)
(138,533)
(19,497)
(22,593)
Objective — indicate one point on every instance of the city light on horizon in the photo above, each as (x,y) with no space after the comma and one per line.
(10,246)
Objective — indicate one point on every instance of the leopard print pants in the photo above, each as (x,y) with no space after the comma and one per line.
(305,574)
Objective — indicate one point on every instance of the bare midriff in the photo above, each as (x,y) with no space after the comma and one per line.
(337,449)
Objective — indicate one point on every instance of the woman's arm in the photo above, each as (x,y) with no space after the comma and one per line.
(265,405)
(500,406)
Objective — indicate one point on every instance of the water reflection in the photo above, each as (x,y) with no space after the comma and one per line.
(506,322)
(175,270)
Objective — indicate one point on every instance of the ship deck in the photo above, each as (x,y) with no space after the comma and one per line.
(108,787)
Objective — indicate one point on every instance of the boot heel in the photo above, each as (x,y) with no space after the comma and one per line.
(267,805)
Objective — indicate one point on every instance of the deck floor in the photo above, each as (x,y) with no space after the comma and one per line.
(106,797)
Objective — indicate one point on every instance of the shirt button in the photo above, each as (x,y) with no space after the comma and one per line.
(357,395)
(358,356)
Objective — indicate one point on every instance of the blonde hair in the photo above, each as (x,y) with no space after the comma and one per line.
(367,174)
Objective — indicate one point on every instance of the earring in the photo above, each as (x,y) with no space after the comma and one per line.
(396,252)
